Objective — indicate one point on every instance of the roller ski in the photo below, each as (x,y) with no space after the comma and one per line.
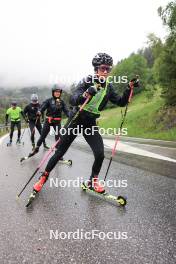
(45,146)
(35,151)
(25,158)
(31,198)
(66,162)
(121,201)
(37,187)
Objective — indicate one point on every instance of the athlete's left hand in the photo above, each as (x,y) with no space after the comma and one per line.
(134,82)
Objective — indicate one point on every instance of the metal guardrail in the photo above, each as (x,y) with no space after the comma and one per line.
(4,128)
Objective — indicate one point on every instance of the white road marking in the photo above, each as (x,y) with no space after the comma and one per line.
(124,147)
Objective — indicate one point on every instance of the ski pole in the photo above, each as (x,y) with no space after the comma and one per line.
(24,131)
(118,136)
(39,166)
(51,149)
(22,134)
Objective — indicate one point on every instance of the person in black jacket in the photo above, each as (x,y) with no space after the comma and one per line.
(31,117)
(100,91)
(54,107)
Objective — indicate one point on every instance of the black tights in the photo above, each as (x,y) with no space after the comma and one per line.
(32,126)
(13,124)
(46,130)
(94,140)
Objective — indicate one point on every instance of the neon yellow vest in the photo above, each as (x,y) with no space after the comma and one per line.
(96,100)
(14,113)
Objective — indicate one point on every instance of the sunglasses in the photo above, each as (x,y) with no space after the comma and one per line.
(105,68)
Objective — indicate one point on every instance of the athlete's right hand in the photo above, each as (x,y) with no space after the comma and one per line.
(39,113)
(91,91)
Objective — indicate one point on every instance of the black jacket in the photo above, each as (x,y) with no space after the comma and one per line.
(77,98)
(54,109)
(31,110)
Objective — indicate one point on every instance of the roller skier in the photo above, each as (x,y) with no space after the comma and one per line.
(31,116)
(99,91)
(54,107)
(14,113)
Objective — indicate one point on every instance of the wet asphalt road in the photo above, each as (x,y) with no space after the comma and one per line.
(148,222)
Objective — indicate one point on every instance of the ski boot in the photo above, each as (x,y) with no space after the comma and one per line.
(46,146)
(37,187)
(42,179)
(95,185)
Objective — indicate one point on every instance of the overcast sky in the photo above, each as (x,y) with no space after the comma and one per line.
(42,41)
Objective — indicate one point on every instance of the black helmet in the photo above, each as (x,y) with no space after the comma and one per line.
(14,103)
(102,58)
(34,98)
(55,88)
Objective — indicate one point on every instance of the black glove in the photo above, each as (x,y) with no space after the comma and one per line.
(58,103)
(38,113)
(91,91)
(135,81)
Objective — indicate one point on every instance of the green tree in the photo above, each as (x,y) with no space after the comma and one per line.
(147,53)
(165,63)
(134,65)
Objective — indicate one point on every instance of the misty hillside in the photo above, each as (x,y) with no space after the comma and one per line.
(22,96)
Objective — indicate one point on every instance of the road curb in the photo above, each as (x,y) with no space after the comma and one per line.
(2,138)
(156,142)
(162,167)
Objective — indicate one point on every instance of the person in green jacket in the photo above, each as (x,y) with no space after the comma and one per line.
(14,113)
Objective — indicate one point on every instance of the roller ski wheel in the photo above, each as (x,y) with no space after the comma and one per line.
(31,198)
(23,158)
(119,200)
(67,162)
